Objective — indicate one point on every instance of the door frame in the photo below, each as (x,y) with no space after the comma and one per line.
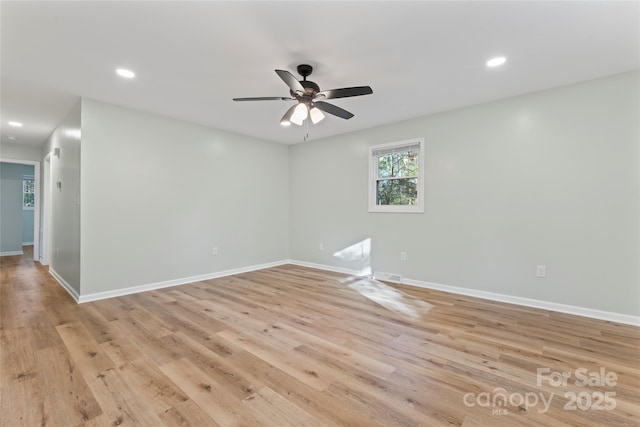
(45,242)
(36,208)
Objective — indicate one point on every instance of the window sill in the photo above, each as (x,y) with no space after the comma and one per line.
(397,209)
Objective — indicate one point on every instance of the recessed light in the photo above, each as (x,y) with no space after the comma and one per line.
(497,61)
(128,74)
(16,124)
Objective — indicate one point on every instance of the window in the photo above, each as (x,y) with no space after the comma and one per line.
(396,180)
(28,192)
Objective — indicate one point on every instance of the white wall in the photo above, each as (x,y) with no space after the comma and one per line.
(20,152)
(547,178)
(158,194)
(65,201)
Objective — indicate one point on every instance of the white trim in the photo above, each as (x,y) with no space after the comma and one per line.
(27,243)
(527,302)
(36,208)
(45,236)
(387,277)
(67,287)
(29,178)
(324,267)
(11,253)
(373,178)
(159,285)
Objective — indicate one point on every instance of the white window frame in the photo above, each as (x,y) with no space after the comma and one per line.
(373,177)
(28,178)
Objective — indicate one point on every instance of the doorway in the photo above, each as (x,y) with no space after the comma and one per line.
(36,207)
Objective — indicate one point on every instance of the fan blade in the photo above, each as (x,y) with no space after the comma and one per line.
(291,81)
(345,92)
(332,109)
(265,98)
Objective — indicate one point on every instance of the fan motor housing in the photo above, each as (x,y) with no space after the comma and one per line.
(310,87)
(305,70)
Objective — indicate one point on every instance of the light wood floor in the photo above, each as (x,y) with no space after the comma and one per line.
(292,346)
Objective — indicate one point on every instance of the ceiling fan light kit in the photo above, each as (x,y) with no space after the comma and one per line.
(310,100)
(301,112)
(316,115)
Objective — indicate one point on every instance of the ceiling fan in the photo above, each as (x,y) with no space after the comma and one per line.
(310,98)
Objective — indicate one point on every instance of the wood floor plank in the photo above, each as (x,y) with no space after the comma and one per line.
(304,369)
(152,386)
(23,404)
(85,351)
(120,402)
(118,399)
(224,408)
(42,332)
(187,414)
(142,337)
(10,317)
(278,411)
(17,358)
(218,368)
(95,323)
(67,397)
(313,401)
(353,359)
(292,346)
(121,350)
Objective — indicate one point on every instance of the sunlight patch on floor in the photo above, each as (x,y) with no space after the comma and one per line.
(358,256)
(388,297)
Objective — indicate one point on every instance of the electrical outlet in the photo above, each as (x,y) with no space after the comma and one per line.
(321,247)
(403,256)
(214,252)
(541,271)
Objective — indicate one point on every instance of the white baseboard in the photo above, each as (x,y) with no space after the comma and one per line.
(166,284)
(67,287)
(527,302)
(324,267)
(11,253)
(27,243)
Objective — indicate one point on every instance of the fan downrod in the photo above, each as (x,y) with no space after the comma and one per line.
(310,88)
(305,70)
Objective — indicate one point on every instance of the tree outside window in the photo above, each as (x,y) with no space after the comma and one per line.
(28,192)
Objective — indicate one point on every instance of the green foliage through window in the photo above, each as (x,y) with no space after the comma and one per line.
(28,192)
(397,191)
(397,182)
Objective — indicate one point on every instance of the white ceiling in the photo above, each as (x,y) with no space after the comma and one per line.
(192,58)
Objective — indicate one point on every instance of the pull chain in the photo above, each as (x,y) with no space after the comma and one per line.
(307,135)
